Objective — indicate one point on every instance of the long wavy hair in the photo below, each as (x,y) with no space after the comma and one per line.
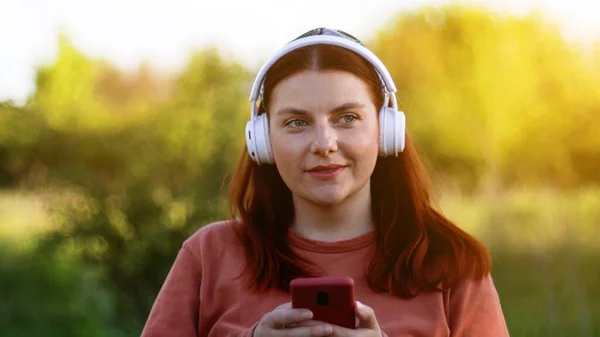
(417,249)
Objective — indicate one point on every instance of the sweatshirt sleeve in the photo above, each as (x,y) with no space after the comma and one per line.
(474,310)
(175,310)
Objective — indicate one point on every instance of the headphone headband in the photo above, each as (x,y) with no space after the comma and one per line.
(388,83)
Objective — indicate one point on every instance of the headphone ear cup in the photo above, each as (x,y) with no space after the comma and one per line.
(392,130)
(250,141)
(257,140)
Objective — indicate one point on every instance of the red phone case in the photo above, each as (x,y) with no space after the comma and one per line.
(331,299)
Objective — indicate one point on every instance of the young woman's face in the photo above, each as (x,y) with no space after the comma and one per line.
(325,135)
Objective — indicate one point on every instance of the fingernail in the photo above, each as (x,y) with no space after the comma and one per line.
(326,330)
(306,315)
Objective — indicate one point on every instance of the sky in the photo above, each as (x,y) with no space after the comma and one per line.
(164,33)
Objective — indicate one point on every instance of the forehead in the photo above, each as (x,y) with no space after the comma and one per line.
(315,89)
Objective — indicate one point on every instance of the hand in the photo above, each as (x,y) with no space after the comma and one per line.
(367,325)
(285,321)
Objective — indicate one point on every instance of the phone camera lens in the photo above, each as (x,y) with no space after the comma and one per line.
(322,298)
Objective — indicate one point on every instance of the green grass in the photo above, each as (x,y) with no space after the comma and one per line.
(546,257)
(532,219)
(549,293)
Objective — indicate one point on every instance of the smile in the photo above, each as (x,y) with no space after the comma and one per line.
(326,173)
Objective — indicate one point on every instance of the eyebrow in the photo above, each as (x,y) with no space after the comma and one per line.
(343,107)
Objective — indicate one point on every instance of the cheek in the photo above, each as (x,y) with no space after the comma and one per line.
(366,139)
(287,152)
(365,150)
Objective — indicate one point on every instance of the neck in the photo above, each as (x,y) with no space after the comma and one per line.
(342,221)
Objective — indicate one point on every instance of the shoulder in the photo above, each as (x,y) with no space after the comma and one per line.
(213,237)
(473,293)
(473,308)
(223,229)
(469,286)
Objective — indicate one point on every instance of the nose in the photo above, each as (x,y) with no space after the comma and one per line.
(325,140)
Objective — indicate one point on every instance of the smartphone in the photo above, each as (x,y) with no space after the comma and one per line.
(331,299)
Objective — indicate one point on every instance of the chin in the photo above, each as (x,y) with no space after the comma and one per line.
(326,201)
(327,198)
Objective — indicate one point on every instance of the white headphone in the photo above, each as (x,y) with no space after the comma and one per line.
(392,122)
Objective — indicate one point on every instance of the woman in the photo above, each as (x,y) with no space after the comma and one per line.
(329,185)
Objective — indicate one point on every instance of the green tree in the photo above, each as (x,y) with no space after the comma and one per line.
(20,133)
(494,100)
(135,190)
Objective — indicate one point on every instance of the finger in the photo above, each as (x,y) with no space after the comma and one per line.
(310,322)
(366,316)
(280,317)
(339,331)
(320,329)
(287,305)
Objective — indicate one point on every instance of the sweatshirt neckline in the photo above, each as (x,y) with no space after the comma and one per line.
(343,246)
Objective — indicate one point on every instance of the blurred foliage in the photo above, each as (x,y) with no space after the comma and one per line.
(62,301)
(545,255)
(130,164)
(496,101)
(130,171)
(550,292)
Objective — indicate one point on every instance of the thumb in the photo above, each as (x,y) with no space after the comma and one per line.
(366,316)
(287,305)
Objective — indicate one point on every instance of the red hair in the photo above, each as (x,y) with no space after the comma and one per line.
(417,248)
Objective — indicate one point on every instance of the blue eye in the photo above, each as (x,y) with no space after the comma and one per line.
(348,118)
(296,123)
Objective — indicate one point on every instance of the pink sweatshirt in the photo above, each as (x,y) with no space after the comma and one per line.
(201,297)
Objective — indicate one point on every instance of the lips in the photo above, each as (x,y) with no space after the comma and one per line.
(324,169)
(326,172)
